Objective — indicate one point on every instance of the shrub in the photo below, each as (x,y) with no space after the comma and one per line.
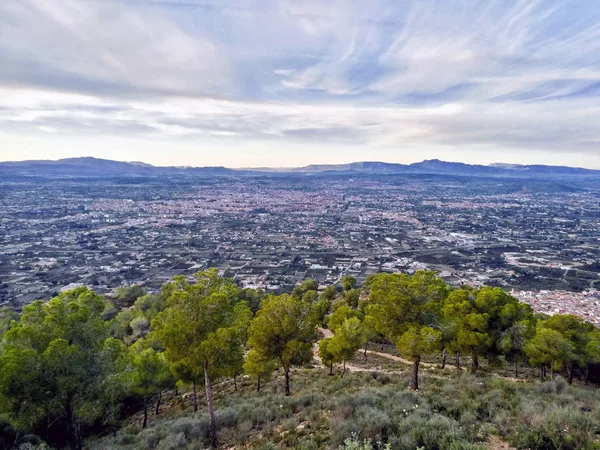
(564,428)
(173,442)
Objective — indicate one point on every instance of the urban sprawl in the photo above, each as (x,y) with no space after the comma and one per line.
(539,242)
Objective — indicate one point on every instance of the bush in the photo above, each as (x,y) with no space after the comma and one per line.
(173,442)
(560,428)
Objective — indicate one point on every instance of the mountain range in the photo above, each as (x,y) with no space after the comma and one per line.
(88,166)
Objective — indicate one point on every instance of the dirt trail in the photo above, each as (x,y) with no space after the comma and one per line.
(327,334)
(350,367)
(397,358)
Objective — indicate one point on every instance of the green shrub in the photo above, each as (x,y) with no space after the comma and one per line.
(564,428)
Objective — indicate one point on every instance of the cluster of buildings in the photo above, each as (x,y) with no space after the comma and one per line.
(583,304)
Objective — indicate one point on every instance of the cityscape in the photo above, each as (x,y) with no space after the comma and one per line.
(537,239)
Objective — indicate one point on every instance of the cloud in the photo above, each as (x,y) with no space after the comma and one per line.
(425,75)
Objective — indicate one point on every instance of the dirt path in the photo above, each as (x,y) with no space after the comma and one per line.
(402,360)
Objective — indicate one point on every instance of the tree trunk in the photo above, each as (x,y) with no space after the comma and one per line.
(366,346)
(444,355)
(195,395)
(158,400)
(474,363)
(287,381)
(73,432)
(457,361)
(570,372)
(586,377)
(516,369)
(258,384)
(331,368)
(145,412)
(212,429)
(414,383)
(343,368)
(542,374)
(551,372)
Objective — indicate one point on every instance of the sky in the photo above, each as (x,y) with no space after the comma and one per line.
(293,82)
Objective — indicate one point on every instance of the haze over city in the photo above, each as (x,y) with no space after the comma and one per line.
(250,84)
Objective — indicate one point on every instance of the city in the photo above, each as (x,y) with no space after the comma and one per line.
(536,239)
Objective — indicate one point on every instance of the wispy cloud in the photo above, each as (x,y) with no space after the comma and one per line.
(425,75)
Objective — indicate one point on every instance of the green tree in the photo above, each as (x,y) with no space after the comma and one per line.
(400,303)
(576,331)
(352,297)
(284,330)
(58,362)
(347,339)
(310,297)
(7,315)
(304,287)
(418,340)
(549,347)
(512,342)
(151,374)
(319,311)
(328,358)
(503,311)
(592,350)
(128,295)
(341,314)
(199,329)
(329,293)
(348,283)
(259,367)
(471,334)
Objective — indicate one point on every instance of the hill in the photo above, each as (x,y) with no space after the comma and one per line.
(88,166)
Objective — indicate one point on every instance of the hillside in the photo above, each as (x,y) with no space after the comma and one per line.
(95,167)
(373,403)
(403,362)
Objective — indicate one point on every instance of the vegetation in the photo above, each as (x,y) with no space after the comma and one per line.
(79,368)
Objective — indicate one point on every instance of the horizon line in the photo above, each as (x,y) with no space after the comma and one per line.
(263,167)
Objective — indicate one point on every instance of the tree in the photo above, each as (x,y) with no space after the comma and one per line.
(200,329)
(150,376)
(400,303)
(7,315)
(592,350)
(347,339)
(283,330)
(304,287)
(341,313)
(58,363)
(549,347)
(319,311)
(503,311)
(128,295)
(471,335)
(259,367)
(328,358)
(329,293)
(418,340)
(576,331)
(348,283)
(352,297)
(513,340)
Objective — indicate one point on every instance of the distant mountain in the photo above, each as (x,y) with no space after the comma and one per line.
(88,166)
